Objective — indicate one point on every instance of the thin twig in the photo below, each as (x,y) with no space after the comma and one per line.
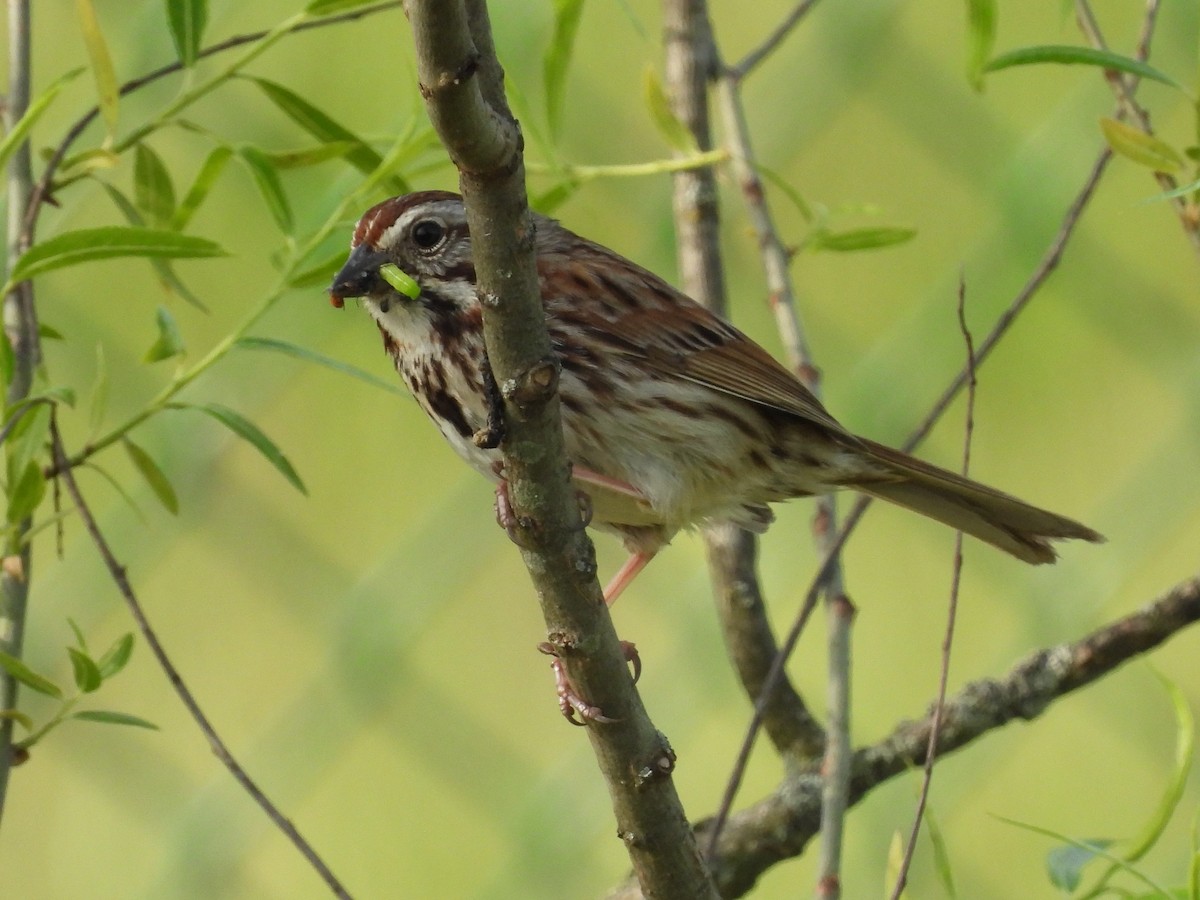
(939,705)
(1124,88)
(20,323)
(1049,263)
(774,39)
(119,576)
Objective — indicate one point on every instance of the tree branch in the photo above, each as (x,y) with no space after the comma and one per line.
(780,826)
(461,81)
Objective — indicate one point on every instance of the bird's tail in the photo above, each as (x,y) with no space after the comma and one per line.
(983,512)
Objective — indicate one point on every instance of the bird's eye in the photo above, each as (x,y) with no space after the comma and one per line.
(428,234)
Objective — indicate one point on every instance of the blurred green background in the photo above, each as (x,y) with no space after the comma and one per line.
(368,650)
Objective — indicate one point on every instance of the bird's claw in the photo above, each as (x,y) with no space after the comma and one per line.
(569,700)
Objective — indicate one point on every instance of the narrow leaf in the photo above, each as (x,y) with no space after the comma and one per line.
(117,656)
(187,19)
(17,716)
(26,493)
(213,165)
(329,7)
(269,186)
(558,58)
(981,38)
(153,191)
(941,855)
(28,677)
(859,239)
(310,156)
(87,674)
(113,718)
(1064,865)
(260,343)
(78,632)
(155,477)
(169,342)
(1069,55)
(73,247)
(325,129)
(895,859)
(1144,149)
(28,437)
(673,131)
(20,131)
(244,428)
(101,62)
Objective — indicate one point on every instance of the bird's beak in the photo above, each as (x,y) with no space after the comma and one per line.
(359,276)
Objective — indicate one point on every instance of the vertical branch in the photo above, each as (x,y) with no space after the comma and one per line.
(840,610)
(20,324)
(690,57)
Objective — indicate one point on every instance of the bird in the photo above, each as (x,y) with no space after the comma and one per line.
(672,417)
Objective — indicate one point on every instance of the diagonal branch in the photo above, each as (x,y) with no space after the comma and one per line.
(220,750)
(461,81)
(780,825)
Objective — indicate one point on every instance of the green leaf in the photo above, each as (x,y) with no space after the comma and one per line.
(981,39)
(28,677)
(78,632)
(26,493)
(17,716)
(113,718)
(155,477)
(310,156)
(549,200)
(326,130)
(169,342)
(558,58)
(329,7)
(1144,149)
(19,133)
(117,656)
(214,165)
(1064,865)
(187,19)
(116,486)
(244,428)
(8,361)
(941,855)
(269,186)
(895,859)
(107,89)
(87,244)
(28,437)
(673,131)
(859,238)
(153,191)
(1069,55)
(87,674)
(1094,847)
(303,353)
(98,405)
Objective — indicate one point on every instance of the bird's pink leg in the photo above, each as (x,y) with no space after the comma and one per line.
(625,576)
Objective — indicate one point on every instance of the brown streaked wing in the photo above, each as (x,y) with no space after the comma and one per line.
(688,341)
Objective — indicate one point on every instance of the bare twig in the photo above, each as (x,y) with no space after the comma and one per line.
(119,576)
(20,323)
(1049,263)
(939,704)
(748,62)
(461,81)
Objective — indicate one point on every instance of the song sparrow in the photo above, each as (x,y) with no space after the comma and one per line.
(672,417)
